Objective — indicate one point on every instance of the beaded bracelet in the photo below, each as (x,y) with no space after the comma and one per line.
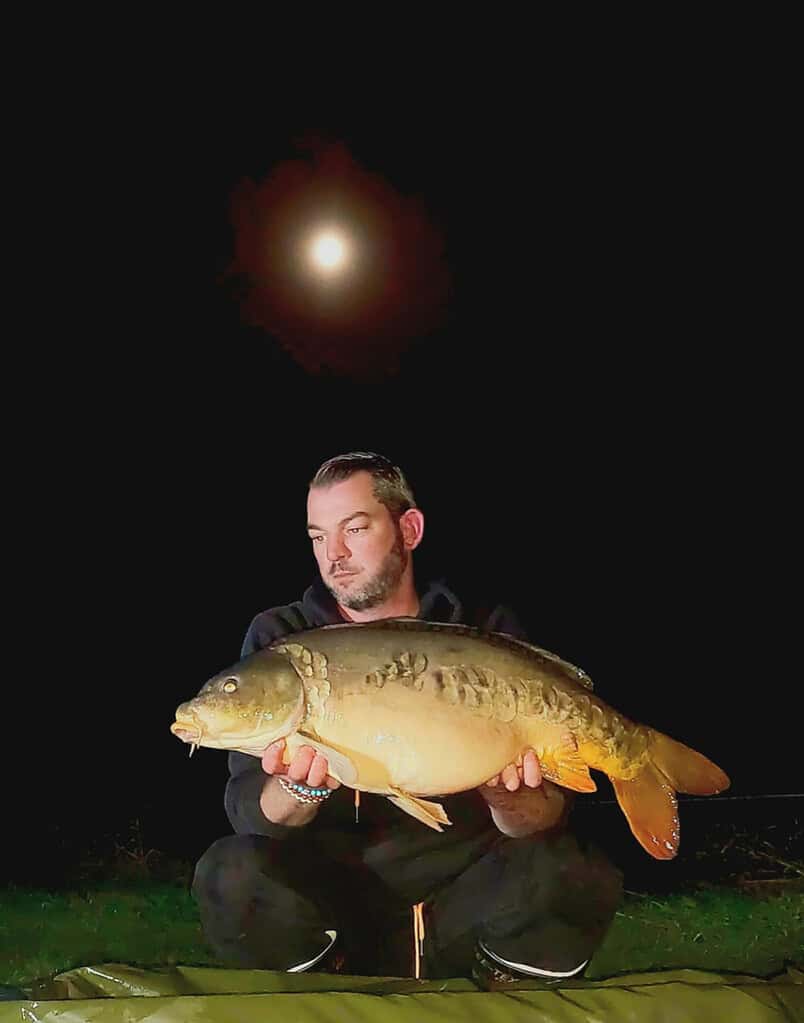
(303,793)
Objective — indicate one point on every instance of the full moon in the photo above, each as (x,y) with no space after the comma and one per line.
(329,252)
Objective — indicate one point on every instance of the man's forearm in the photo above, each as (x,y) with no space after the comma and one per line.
(527,810)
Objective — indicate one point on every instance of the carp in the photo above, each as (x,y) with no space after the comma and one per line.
(410,709)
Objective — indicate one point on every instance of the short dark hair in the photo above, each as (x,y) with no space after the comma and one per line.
(390,486)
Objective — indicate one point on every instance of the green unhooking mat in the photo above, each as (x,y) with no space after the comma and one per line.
(114,993)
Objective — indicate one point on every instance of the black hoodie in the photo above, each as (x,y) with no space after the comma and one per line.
(379,820)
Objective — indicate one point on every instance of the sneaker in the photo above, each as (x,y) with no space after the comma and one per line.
(491,971)
(487,974)
(319,959)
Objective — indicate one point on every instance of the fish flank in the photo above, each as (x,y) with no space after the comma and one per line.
(481,691)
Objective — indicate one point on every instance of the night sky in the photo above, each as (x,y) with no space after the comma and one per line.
(564,342)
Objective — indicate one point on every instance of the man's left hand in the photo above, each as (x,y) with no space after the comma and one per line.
(526,769)
(519,810)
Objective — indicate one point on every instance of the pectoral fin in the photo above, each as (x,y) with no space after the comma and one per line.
(340,766)
(564,766)
(429,813)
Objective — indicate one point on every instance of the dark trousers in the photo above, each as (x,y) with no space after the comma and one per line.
(545,901)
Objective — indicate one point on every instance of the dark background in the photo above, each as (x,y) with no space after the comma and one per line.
(582,361)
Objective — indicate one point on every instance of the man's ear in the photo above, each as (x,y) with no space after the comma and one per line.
(411,525)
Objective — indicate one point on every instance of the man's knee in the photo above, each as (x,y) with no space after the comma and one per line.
(597,884)
(558,902)
(229,867)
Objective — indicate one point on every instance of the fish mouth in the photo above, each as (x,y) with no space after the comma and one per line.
(186,731)
(192,734)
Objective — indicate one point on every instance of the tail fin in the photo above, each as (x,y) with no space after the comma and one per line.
(649,804)
(649,800)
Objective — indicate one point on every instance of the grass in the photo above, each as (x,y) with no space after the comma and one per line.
(143,923)
(152,924)
(718,929)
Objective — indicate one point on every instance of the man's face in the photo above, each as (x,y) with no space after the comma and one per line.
(359,549)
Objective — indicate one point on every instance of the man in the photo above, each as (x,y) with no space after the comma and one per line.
(506,892)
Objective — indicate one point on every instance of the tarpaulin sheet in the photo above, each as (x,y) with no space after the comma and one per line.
(114,993)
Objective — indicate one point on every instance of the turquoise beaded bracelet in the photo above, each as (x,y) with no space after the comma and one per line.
(304,793)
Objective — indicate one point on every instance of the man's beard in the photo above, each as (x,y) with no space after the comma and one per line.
(379,588)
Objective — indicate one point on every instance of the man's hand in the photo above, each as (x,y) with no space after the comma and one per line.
(527,769)
(519,811)
(308,767)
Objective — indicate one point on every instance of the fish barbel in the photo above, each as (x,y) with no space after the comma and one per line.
(409,709)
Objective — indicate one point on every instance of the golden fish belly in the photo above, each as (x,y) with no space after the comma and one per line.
(407,739)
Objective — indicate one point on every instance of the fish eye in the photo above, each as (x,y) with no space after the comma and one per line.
(230,685)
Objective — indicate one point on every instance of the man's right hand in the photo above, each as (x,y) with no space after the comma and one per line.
(308,767)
